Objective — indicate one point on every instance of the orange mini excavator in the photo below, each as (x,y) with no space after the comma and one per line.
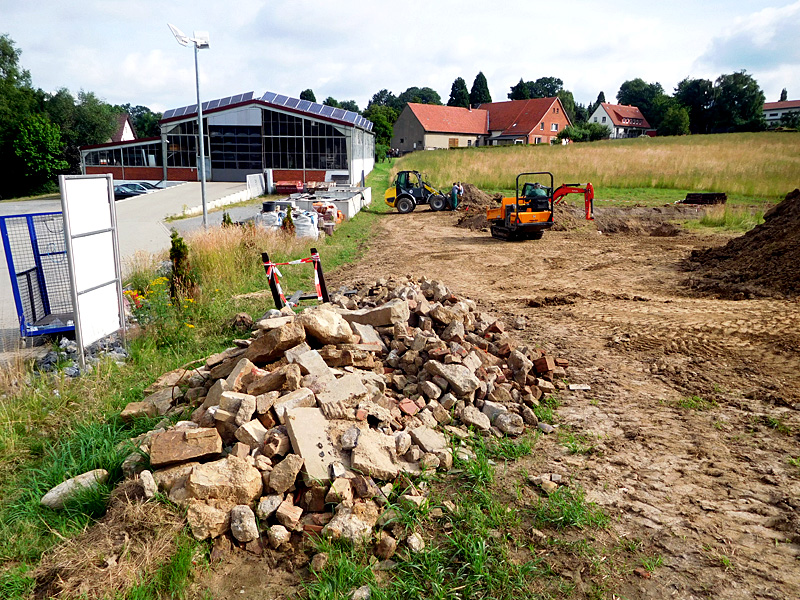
(526,216)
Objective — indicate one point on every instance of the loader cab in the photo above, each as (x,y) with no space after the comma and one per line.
(409,182)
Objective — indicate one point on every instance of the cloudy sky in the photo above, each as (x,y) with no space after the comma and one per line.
(349,49)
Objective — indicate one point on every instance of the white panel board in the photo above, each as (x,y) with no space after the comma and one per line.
(88,208)
(94,260)
(90,228)
(99,313)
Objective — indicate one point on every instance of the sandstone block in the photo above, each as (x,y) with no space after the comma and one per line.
(176,446)
(251,433)
(208,521)
(233,479)
(285,472)
(472,416)
(278,536)
(137,410)
(429,439)
(394,311)
(269,346)
(375,455)
(325,326)
(164,399)
(268,505)
(353,523)
(341,491)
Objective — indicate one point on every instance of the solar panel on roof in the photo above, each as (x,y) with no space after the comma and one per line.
(280,99)
(292,102)
(349,117)
(338,113)
(316,108)
(268,96)
(326,111)
(304,105)
(167,114)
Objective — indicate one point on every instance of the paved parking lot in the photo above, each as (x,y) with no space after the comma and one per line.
(141,228)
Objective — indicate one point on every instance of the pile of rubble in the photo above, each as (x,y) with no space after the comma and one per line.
(319,419)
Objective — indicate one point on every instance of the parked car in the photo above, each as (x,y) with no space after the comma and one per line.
(121,192)
(136,187)
(149,185)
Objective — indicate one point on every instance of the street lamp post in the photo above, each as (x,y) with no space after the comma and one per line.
(199,41)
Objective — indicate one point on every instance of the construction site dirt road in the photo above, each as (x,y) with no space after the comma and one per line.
(692,419)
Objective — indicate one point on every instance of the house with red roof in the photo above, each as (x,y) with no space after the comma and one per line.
(623,121)
(775,111)
(431,127)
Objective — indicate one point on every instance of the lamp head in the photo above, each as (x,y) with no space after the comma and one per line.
(181,37)
(201,39)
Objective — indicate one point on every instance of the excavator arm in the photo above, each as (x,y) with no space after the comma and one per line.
(577,188)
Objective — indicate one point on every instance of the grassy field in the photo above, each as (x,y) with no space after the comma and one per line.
(763,166)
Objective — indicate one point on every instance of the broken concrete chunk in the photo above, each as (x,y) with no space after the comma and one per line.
(344,392)
(173,446)
(308,430)
(208,521)
(276,442)
(459,377)
(243,523)
(472,416)
(375,455)
(246,410)
(278,536)
(369,337)
(510,423)
(302,397)
(340,491)
(268,505)
(349,438)
(353,523)
(274,323)
(429,439)
(215,393)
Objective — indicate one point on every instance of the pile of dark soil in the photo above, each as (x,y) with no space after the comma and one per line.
(474,219)
(568,218)
(765,261)
(474,198)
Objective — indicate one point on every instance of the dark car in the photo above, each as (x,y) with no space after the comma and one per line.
(148,185)
(121,192)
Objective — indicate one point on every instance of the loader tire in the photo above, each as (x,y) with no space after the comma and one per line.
(404,205)
(437,203)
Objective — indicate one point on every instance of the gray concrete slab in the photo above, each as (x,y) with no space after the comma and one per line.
(141,227)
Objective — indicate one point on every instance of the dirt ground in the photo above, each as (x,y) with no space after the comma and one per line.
(711,491)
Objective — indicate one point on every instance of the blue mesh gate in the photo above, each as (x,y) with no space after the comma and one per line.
(37,263)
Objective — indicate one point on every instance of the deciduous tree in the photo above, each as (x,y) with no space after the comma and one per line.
(637,92)
(308,95)
(39,149)
(697,96)
(675,121)
(738,103)
(784,95)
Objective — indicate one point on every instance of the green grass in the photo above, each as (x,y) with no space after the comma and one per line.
(576,443)
(695,403)
(546,411)
(728,218)
(171,579)
(567,507)
(761,166)
(651,563)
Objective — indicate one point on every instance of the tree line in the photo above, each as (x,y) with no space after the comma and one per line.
(733,102)
(41,133)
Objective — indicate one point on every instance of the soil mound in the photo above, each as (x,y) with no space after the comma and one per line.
(568,218)
(762,262)
(474,219)
(475,198)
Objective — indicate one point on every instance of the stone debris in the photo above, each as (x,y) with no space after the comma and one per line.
(310,424)
(65,491)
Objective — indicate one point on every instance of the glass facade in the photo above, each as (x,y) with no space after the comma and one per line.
(281,141)
(235,147)
(141,155)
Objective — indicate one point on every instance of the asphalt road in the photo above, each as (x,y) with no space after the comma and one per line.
(141,227)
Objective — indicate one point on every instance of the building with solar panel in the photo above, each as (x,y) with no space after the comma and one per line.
(293,139)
